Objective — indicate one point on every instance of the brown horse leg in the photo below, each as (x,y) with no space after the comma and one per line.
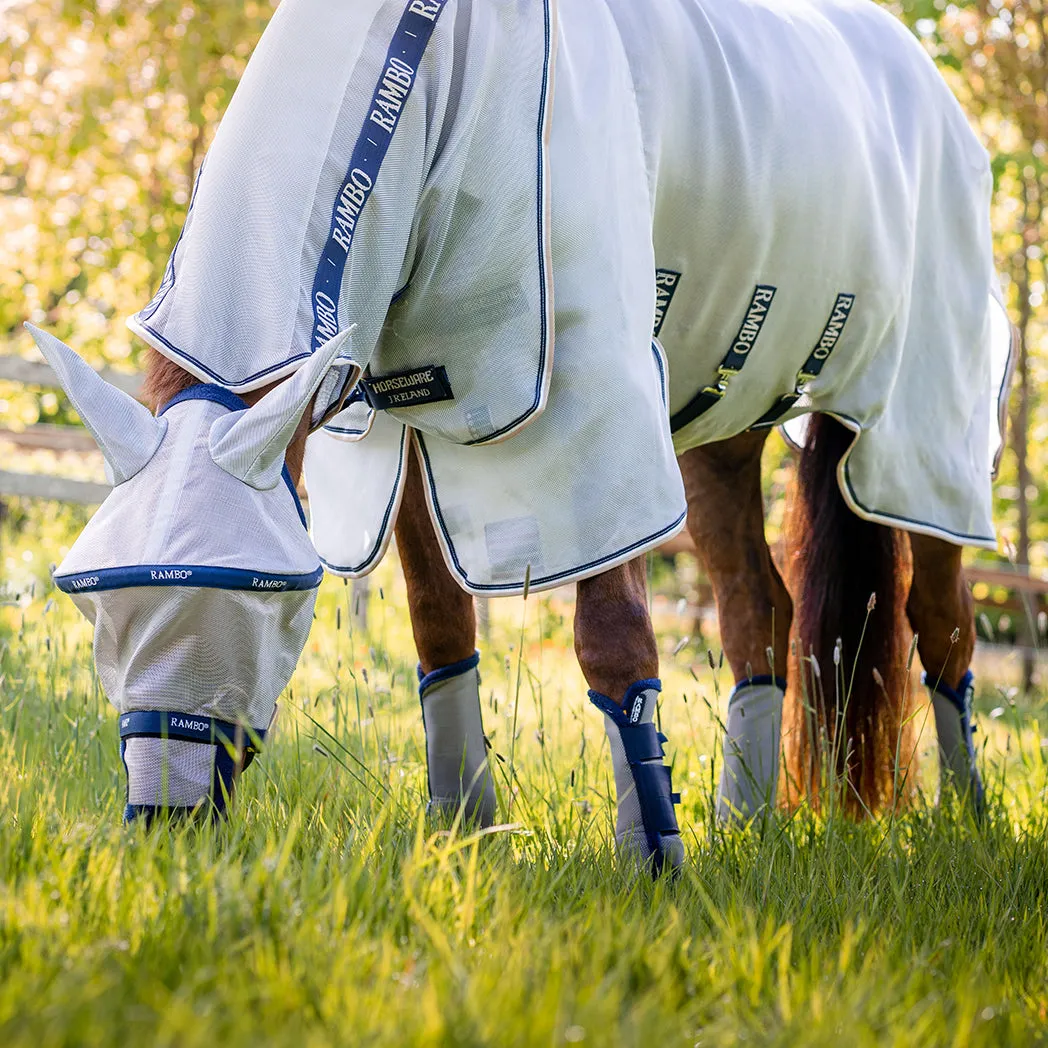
(614,638)
(442,615)
(445,628)
(726,521)
(616,649)
(941,612)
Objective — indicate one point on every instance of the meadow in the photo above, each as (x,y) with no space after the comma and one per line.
(327,910)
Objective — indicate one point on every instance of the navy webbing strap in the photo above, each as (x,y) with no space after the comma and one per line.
(162,724)
(733,363)
(816,361)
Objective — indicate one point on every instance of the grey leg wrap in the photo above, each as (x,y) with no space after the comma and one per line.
(178,764)
(958,764)
(456,750)
(750,774)
(646,824)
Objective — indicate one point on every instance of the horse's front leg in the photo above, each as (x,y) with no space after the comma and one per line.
(941,612)
(444,625)
(616,649)
(726,520)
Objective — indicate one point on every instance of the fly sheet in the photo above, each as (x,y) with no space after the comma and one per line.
(387,164)
(822,232)
(486,188)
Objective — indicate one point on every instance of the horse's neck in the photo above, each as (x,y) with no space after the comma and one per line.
(164,379)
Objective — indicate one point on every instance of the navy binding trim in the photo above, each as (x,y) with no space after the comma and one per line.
(206,391)
(223,778)
(163,724)
(282,365)
(202,575)
(188,727)
(542,582)
(168,281)
(407,47)
(958,697)
(380,540)
(228,399)
(759,680)
(542,379)
(456,669)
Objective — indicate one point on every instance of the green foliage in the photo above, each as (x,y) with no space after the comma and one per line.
(106,110)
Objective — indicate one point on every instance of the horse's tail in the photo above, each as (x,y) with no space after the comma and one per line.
(849,577)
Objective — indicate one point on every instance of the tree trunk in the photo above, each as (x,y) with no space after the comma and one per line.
(1021,417)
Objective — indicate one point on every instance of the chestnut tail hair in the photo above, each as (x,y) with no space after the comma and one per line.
(846,721)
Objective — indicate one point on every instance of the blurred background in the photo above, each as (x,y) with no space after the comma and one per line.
(107,109)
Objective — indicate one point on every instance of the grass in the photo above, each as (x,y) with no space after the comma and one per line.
(327,911)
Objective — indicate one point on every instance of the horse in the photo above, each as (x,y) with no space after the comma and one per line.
(417,270)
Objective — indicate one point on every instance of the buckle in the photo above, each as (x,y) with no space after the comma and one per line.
(724,374)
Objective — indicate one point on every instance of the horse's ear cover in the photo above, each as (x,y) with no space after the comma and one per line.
(250,444)
(125,431)
(200,582)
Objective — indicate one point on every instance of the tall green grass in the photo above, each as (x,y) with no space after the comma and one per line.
(327,911)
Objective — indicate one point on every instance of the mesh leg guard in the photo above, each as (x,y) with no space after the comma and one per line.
(178,764)
(456,750)
(646,824)
(958,765)
(750,774)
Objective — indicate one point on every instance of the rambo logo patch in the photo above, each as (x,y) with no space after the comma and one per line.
(406,389)
(666,281)
(760,304)
(834,328)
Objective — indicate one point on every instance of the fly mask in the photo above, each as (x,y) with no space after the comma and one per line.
(197,572)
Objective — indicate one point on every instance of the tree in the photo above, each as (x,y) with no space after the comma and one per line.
(107,109)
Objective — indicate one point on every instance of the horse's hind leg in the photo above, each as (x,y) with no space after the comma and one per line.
(444,625)
(726,521)
(941,612)
(616,648)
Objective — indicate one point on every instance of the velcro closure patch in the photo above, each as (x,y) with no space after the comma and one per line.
(404,389)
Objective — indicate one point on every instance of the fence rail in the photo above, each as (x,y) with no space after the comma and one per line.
(1025,591)
(39,373)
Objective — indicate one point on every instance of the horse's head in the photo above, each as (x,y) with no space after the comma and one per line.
(197,571)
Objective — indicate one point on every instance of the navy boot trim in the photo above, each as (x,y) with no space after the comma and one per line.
(223,735)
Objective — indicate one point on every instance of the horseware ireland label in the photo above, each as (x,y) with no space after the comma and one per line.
(407,388)
(666,281)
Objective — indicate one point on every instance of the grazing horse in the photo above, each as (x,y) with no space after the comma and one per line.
(424,239)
